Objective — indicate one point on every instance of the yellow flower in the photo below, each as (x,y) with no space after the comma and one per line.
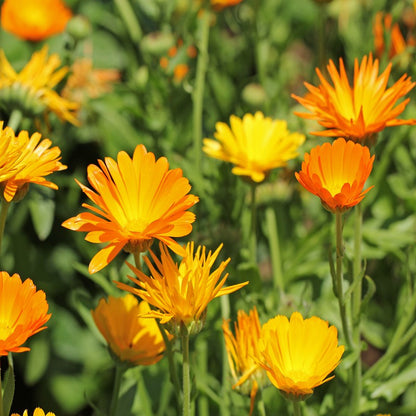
(32,89)
(241,349)
(33,159)
(254,144)
(38,412)
(299,354)
(133,340)
(181,293)
(137,200)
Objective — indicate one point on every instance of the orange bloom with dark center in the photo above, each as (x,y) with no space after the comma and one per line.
(23,312)
(136,200)
(360,111)
(337,173)
(34,20)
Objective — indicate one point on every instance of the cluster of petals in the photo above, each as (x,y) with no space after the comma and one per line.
(255,144)
(131,339)
(23,312)
(181,293)
(34,20)
(299,354)
(34,85)
(136,200)
(336,173)
(360,111)
(38,412)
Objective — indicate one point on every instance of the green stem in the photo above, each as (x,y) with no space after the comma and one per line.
(138,259)
(1,397)
(116,389)
(186,372)
(15,119)
(225,398)
(3,216)
(321,37)
(129,18)
(202,354)
(339,278)
(253,225)
(296,409)
(198,93)
(260,404)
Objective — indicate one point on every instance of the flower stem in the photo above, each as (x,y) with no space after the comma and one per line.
(296,409)
(321,37)
(3,215)
(260,404)
(253,225)
(186,373)
(129,18)
(15,119)
(138,259)
(1,397)
(116,389)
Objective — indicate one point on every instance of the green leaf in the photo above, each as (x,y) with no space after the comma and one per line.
(8,392)
(42,212)
(37,360)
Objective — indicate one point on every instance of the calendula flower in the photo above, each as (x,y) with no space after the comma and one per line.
(254,144)
(298,355)
(181,294)
(34,20)
(38,412)
(360,111)
(337,173)
(35,160)
(131,339)
(23,312)
(137,200)
(32,89)
(241,348)
(218,5)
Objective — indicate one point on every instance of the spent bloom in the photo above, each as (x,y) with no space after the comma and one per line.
(181,293)
(23,312)
(32,89)
(242,347)
(360,111)
(133,340)
(136,200)
(254,144)
(299,354)
(38,412)
(336,173)
(34,20)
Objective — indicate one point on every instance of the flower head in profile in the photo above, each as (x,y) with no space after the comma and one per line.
(32,89)
(242,347)
(136,200)
(181,293)
(133,340)
(34,20)
(254,144)
(218,5)
(23,312)
(38,412)
(336,173)
(33,160)
(360,111)
(299,354)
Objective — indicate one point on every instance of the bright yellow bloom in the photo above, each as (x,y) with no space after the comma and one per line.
(384,414)
(23,312)
(38,412)
(34,20)
(337,173)
(254,144)
(298,355)
(132,339)
(137,200)
(360,111)
(241,348)
(32,89)
(33,159)
(221,4)
(181,293)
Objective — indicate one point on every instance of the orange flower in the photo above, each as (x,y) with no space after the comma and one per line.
(357,112)
(131,339)
(180,71)
(181,293)
(137,200)
(23,312)
(221,4)
(337,173)
(34,20)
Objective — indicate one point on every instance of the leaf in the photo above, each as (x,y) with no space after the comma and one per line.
(42,212)
(37,360)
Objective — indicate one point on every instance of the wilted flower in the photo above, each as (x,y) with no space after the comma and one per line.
(181,294)
(337,173)
(254,144)
(137,200)
(131,339)
(298,355)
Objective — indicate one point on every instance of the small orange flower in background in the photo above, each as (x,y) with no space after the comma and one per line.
(299,354)
(34,20)
(218,5)
(31,90)
(131,339)
(254,144)
(241,348)
(137,200)
(360,111)
(181,293)
(336,173)
(23,312)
